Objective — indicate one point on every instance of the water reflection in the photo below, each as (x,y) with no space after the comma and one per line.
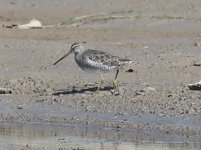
(40,136)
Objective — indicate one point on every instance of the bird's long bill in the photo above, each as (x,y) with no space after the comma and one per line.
(62,57)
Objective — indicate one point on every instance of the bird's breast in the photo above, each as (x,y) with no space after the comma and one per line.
(88,65)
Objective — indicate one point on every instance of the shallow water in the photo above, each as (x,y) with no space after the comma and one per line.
(43,136)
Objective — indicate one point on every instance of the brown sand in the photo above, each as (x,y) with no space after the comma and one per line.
(163,39)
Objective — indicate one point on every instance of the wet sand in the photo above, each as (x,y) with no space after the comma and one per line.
(43,136)
(163,39)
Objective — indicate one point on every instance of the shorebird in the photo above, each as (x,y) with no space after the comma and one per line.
(95,61)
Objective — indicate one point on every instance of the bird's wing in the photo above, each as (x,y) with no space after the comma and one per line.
(105,58)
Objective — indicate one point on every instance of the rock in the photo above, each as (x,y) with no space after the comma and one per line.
(148,89)
(198,44)
(19,107)
(5,91)
(195,86)
(130,70)
(197,63)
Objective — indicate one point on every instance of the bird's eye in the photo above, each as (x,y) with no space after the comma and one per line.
(75,46)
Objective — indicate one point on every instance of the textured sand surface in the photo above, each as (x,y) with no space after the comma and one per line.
(163,39)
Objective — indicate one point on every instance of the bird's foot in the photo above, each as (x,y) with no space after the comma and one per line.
(116,88)
(100,86)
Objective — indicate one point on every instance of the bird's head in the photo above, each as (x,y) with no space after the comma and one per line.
(75,48)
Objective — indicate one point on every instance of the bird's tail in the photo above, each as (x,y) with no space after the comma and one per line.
(126,61)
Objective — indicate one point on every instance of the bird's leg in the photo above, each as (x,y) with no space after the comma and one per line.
(115,86)
(100,85)
(102,81)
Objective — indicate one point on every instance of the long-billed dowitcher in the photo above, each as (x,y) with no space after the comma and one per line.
(95,61)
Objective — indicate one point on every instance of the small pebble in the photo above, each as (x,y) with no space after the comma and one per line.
(129,70)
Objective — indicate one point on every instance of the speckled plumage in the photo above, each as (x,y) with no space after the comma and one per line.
(99,61)
(96,61)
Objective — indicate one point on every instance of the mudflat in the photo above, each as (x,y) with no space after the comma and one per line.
(163,39)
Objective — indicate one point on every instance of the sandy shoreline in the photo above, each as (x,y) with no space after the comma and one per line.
(163,40)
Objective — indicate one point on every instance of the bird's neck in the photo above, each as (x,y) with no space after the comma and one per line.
(78,54)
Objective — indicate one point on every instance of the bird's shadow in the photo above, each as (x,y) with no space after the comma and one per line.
(81,90)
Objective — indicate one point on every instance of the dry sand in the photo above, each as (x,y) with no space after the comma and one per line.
(163,38)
